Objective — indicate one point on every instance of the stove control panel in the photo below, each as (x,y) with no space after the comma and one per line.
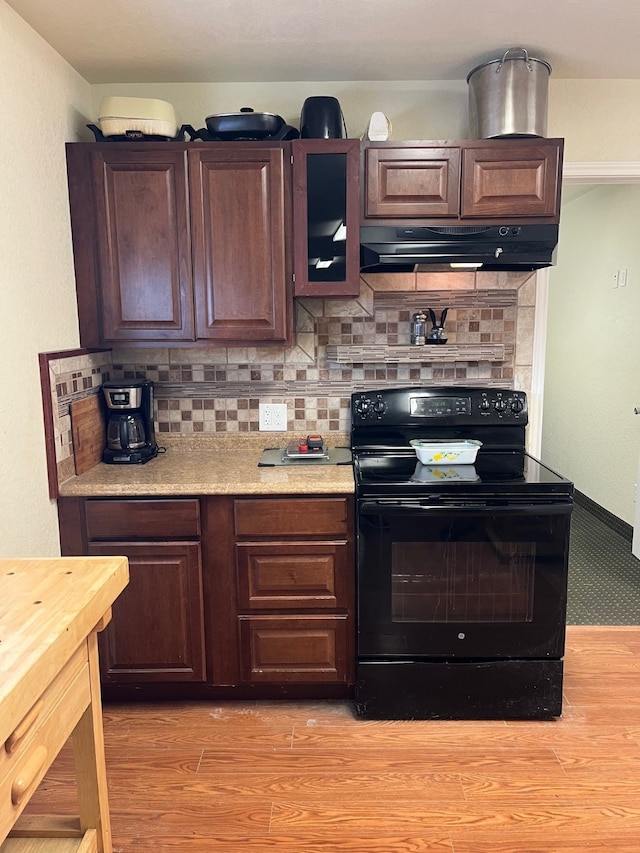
(369,406)
(463,406)
(504,404)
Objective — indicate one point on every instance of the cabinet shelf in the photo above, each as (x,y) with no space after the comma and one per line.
(84,844)
(377,354)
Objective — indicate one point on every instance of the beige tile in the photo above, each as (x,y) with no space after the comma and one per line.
(146,355)
(213,354)
(447,281)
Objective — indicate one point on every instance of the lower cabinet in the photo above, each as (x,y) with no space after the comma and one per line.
(156,634)
(228,596)
(157,630)
(291,614)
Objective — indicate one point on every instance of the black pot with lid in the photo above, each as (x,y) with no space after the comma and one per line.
(247,124)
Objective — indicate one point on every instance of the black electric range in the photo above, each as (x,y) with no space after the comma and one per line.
(461,569)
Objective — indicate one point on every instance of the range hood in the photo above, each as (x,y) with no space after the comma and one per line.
(385,248)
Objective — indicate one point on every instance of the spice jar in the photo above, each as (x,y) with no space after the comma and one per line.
(419,328)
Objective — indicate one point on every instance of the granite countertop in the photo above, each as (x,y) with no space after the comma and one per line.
(213,465)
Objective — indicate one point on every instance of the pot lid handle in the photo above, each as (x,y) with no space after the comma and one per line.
(511,49)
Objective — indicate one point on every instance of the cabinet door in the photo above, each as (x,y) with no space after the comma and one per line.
(143,244)
(511,180)
(295,649)
(404,182)
(239,213)
(157,630)
(326,199)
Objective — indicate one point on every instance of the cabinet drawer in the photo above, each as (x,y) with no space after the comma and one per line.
(294,576)
(142,519)
(35,742)
(297,649)
(326,517)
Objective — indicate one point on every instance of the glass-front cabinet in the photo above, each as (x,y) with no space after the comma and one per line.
(326,177)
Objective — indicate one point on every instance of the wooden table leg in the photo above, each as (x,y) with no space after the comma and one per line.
(88,749)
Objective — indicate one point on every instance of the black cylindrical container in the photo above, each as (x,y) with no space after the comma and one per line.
(321,118)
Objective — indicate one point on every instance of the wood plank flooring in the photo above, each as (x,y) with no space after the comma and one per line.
(305,777)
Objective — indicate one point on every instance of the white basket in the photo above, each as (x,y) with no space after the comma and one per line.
(443,452)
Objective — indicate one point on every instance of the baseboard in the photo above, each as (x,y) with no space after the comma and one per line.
(617,524)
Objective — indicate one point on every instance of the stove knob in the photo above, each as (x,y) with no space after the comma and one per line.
(485,405)
(361,407)
(500,405)
(379,407)
(517,405)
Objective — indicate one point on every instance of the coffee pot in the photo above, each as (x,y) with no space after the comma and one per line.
(130,427)
(126,432)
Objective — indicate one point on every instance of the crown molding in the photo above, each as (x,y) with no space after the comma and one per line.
(601,172)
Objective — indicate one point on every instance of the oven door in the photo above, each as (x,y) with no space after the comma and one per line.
(467,581)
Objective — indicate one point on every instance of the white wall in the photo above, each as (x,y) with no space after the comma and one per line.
(590,432)
(41,99)
(599,119)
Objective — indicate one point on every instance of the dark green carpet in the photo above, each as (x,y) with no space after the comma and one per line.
(604,576)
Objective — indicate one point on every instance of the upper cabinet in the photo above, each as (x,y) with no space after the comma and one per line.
(240,222)
(326,199)
(480,180)
(176,242)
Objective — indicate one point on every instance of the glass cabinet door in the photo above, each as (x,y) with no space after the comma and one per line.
(326,231)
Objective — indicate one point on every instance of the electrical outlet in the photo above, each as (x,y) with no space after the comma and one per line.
(273,416)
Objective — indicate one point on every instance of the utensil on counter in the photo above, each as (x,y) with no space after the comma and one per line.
(436,334)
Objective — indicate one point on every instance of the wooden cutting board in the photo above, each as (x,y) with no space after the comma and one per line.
(89,432)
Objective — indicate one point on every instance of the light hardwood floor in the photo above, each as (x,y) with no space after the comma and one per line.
(311,778)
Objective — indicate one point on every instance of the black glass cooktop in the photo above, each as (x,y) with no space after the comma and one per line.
(392,473)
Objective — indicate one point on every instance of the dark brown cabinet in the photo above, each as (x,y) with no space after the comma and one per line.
(326,199)
(294,563)
(240,217)
(475,180)
(228,596)
(404,182)
(156,634)
(181,242)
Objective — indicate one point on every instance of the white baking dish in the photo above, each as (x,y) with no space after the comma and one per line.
(143,115)
(441,451)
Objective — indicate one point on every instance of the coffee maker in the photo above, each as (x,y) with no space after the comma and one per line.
(131,437)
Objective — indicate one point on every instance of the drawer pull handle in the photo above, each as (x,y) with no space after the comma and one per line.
(23,727)
(22,784)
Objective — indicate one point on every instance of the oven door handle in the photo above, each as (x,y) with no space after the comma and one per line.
(410,507)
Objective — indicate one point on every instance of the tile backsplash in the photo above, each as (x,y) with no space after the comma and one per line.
(212,389)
